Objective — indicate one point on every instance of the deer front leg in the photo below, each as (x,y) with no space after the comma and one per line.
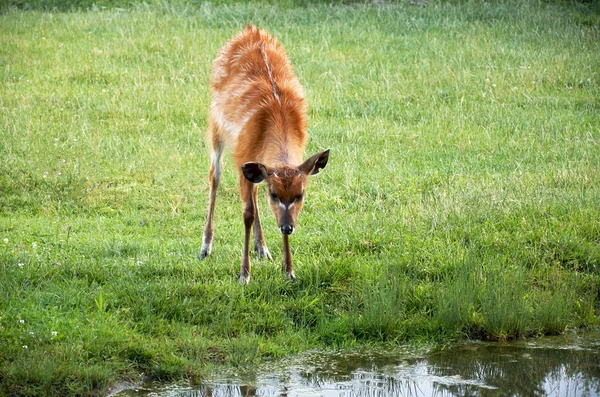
(287,258)
(249,210)
(259,239)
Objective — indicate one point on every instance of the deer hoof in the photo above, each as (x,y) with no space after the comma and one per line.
(291,276)
(244,279)
(204,252)
(263,252)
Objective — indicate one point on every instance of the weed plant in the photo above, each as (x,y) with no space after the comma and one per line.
(461,199)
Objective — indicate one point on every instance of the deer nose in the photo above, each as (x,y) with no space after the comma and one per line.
(287,229)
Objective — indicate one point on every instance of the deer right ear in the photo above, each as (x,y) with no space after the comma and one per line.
(254,172)
(313,165)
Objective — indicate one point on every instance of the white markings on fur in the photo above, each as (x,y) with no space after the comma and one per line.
(233,127)
(217,163)
(286,207)
(270,73)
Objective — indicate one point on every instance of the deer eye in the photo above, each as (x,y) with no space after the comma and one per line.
(299,197)
(274,197)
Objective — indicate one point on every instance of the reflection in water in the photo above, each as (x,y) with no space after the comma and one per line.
(563,366)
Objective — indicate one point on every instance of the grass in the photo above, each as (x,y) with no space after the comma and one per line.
(461,198)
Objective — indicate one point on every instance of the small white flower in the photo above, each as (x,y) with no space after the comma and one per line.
(22,321)
(140,262)
(5,240)
(21,266)
(25,347)
(54,333)
(34,244)
(31,333)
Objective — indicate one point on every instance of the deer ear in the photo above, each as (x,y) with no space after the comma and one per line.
(313,165)
(254,172)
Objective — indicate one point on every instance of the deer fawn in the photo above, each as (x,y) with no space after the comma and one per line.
(258,111)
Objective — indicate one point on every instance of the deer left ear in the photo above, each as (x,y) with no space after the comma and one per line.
(313,165)
(254,172)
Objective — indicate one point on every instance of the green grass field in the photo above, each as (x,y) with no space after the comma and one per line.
(461,199)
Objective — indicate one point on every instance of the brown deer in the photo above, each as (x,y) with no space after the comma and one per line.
(258,111)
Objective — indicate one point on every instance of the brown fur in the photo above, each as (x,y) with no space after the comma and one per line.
(255,76)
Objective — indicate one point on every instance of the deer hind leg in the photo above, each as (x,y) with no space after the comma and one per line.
(247,193)
(216,169)
(259,239)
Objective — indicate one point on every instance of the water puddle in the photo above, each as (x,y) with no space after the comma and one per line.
(567,365)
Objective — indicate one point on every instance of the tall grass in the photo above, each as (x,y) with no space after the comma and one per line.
(461,198)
